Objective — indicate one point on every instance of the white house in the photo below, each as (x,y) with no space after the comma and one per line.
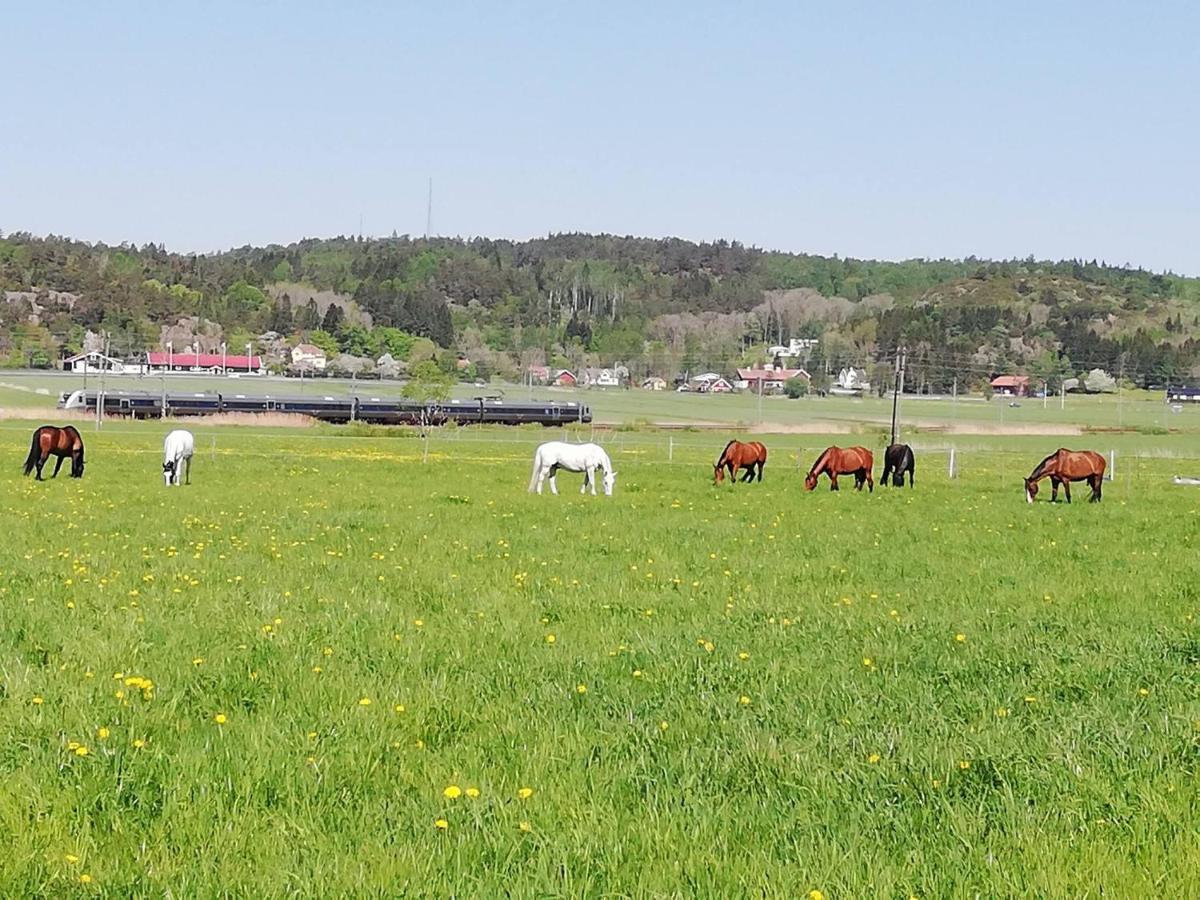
(95,361)
(601,378)
(308,356)
(795,347)
(851,382)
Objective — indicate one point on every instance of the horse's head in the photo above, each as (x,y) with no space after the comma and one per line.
(810,481)
(1030,489)
(897,479)
(610,479)
(168,471)
(718,474)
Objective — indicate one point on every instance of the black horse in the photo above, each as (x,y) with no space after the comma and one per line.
(897,460)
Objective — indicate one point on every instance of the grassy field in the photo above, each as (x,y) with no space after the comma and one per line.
(327,669)
(1133,409)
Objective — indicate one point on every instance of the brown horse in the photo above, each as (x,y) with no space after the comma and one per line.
(1064,466)
(835,461)
(736,455)
(50,440)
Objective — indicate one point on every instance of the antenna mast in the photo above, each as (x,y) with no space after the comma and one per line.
(429,210)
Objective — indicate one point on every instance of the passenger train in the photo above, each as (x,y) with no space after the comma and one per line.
(337,410)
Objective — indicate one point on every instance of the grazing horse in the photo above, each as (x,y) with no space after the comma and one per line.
(835,461)
(50,440)
(898,459)
(737,455)
(585,458)
(1064,466)
(177,456)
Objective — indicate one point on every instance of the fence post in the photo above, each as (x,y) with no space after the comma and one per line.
(670,448)
(953,470)
(1112,465)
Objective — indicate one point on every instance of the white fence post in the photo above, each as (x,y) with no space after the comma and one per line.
(953,469)
(1112,465)
(670,448)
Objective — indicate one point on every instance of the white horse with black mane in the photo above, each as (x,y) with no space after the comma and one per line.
(585,458)
(177,455)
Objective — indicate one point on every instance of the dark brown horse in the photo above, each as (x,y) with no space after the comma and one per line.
(736,455)
(50,440)
(1064,466)
(835,461)
(898,459)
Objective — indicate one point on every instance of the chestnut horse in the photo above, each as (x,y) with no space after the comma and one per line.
(1064,466)
(50,440)
(835,461)
(898,459)
(737,455)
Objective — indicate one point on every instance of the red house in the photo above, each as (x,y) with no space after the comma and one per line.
(1010,385)
(564,378)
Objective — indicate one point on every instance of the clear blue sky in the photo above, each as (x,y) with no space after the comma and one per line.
(872,130)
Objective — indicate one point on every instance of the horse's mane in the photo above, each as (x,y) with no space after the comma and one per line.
(723,452)
(820,459)
(1040,467)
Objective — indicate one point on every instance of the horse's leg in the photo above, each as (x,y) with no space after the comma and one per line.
(761,465)
(1095,481)
(833,481)
(1053,489)
(188,462)
(553,480)
(591,479)
(57,465)
(41,464)
(870,482)
(748,473)
(858,480)
(1067,488)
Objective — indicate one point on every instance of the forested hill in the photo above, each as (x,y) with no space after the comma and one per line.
(661,306)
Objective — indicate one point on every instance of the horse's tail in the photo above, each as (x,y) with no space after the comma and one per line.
(34,452)
(537,465)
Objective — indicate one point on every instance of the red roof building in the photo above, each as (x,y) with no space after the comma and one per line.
(770,378)
(1011,385)
(185,362)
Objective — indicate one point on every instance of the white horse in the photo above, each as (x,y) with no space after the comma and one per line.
(177,454)
(586,458)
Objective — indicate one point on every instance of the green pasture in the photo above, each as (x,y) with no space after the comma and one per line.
(328,668)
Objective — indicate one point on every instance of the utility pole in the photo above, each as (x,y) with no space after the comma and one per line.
(103,373)
(898,385)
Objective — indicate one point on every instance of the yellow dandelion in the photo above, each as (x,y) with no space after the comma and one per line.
(868,662)
(419,622)
(664,725)
(364,701)
(85,878)
(399,707)
(198,661)
(814,894)
(472,792)
(550,639)
(1031,699)
(637,673)
(964,764)
(441,824)
(874,758)
(37,701)
(1142,692)
(72,858)
(743,656)
(960,637)
(139,743)
(525,826)
(220,719)
(1002,711)
(525,793)
(81,751)
(102,733)
(452,792)
(744,700)
(581,688)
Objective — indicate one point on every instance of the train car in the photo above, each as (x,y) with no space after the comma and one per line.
(335,410)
